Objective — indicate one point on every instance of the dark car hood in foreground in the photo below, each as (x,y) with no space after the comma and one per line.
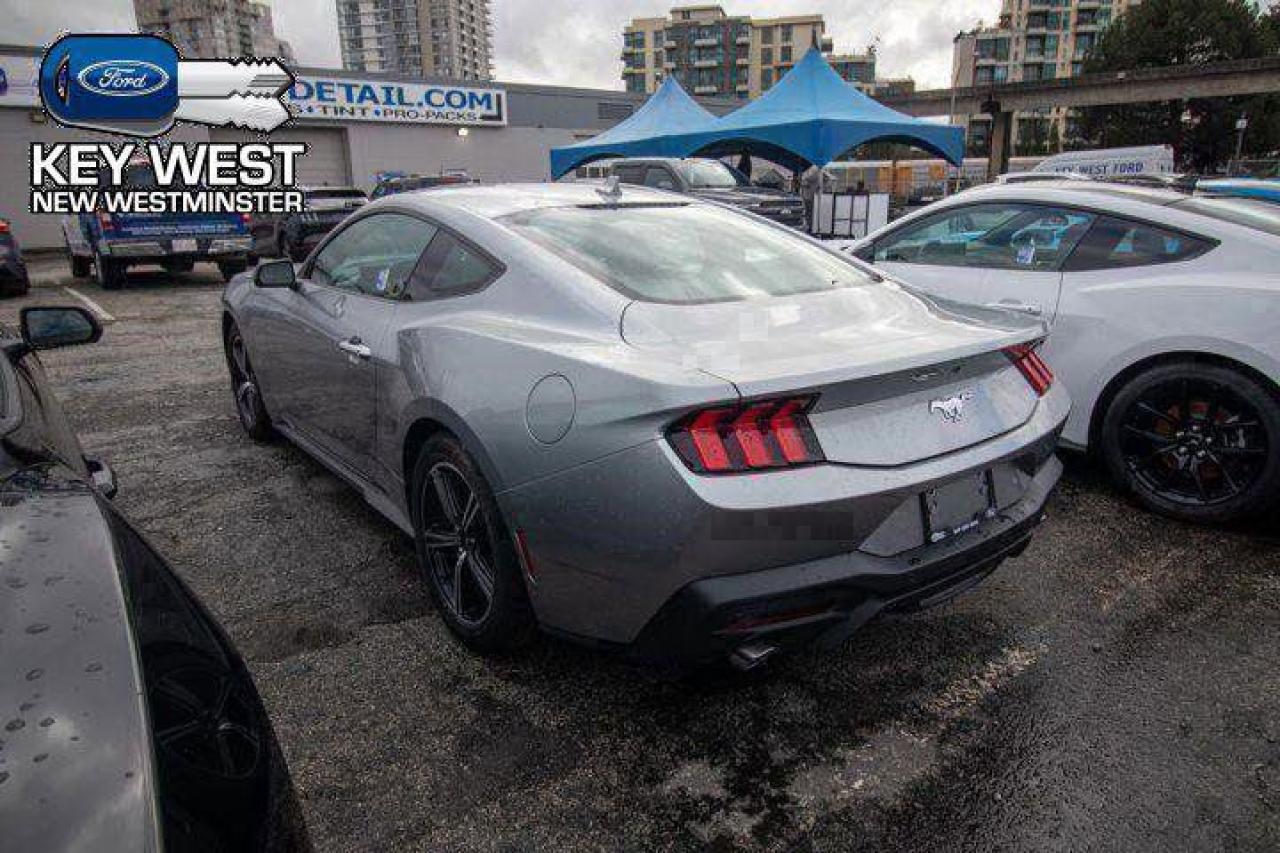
(77,771)
(126,716)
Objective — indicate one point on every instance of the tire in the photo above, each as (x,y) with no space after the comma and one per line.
(483,553)
(244,388)
(230,269)
(180,266)
(81,267)
(1221,464)
(108,273)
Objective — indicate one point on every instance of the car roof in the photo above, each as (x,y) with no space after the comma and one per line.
(1098,193)
(493,201)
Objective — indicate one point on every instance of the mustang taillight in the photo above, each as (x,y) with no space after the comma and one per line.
(1032,366)
(752,437)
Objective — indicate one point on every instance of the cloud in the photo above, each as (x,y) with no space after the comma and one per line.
(576,42)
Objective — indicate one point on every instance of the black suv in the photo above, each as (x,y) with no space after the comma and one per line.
(294,235)
(713,180)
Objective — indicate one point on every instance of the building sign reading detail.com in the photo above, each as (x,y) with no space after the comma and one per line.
(343,99)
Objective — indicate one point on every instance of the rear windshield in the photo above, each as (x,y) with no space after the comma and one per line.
(685,253)
(1251,213)
(339,193)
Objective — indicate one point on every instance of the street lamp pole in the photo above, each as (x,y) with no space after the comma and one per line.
(1242,124)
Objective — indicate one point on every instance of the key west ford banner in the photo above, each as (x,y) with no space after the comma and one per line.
(344,99)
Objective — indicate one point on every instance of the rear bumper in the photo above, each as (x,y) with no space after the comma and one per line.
(615,542)
(152,249)
(827,600)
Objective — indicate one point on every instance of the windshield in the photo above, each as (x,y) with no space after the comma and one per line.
(680,253)
(711,175)
(1249,212)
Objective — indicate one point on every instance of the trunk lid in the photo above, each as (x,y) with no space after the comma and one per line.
(900,377)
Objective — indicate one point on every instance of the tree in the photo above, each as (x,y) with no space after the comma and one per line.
(1185,32)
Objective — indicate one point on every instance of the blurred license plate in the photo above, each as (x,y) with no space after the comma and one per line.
(184,245)
(957,506)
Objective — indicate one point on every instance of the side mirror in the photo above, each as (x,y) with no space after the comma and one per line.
(61,326)
(275,274)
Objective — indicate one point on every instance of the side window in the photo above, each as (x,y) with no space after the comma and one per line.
(1115,243)
(990,236)
(629,174)
(656,176)
(374,255)
(451,267)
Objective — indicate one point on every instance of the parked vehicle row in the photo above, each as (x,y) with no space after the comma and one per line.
(1162,308)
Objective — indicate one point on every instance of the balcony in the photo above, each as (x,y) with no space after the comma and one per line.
(630,70)
(711,42)
(742,61)
(707,63)
(706,89)
(743,39)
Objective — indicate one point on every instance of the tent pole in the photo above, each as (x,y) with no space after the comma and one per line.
(816,201)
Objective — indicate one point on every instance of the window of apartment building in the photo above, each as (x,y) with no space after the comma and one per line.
(766,78)
(766,35)
(766,56)
(635,83)
(786,54)
(993,49)
(786,33)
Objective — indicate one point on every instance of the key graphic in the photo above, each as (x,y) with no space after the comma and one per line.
(137,84)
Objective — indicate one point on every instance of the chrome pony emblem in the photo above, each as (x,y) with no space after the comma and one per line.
(951,408)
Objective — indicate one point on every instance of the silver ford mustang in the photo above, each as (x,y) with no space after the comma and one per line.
(647,421)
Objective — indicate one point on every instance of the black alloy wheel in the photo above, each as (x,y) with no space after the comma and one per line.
(457,544)
(244,384)
(1197,442)
(204,720)
(466,552)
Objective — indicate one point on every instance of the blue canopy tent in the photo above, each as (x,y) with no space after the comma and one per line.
(650,132)
(811,117)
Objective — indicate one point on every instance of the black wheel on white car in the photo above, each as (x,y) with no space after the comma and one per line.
(466,552)
(81,267)
(244,385)
(1195,441)
(108,273)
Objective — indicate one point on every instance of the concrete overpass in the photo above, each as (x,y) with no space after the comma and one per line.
(1142,85)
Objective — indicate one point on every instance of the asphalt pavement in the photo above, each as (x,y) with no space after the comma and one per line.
(1117,687)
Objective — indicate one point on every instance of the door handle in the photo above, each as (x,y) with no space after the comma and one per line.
(355,347)
(1020,307)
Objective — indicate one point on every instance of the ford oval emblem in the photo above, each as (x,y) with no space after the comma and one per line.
(118,78)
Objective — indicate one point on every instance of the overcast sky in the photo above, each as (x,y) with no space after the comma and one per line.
(576,42)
